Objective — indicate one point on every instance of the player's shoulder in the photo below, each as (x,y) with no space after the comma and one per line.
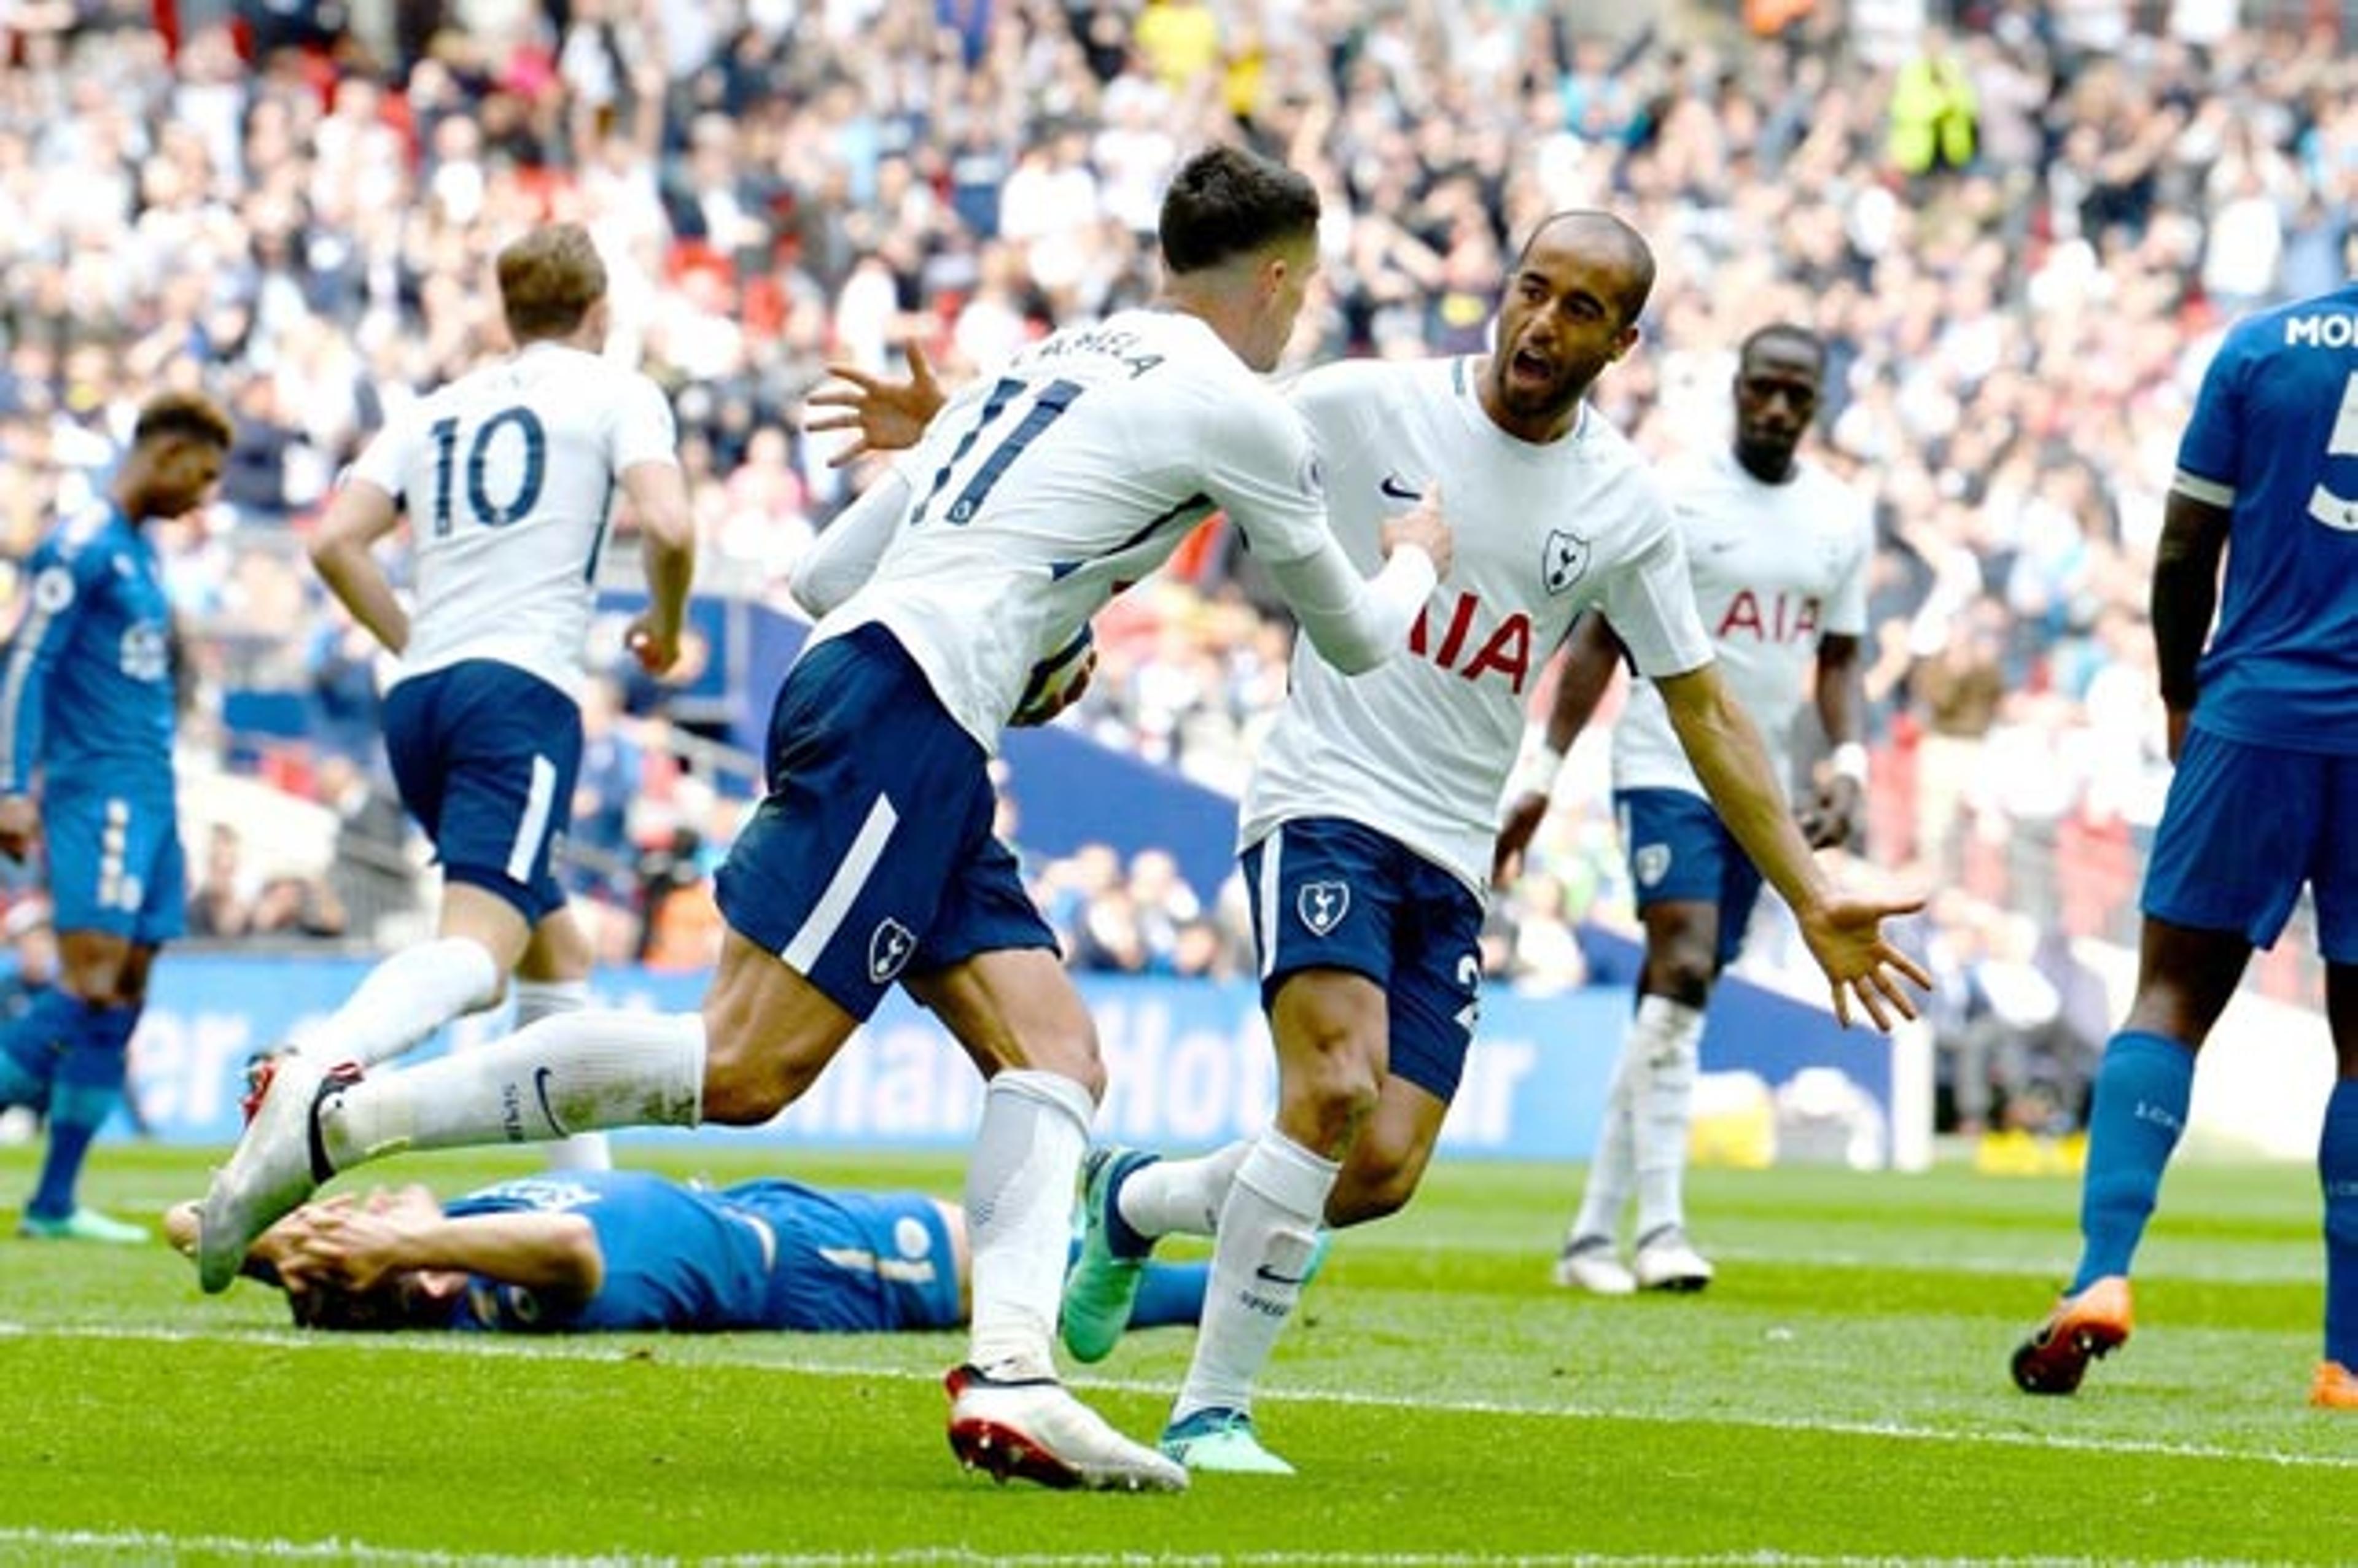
(2328,320)
(83,532)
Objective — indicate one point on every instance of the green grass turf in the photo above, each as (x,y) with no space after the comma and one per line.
(1840,1394)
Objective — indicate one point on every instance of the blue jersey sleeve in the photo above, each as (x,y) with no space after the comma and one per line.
(2212,447)
(53,605)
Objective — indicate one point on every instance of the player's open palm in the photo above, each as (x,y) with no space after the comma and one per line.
(1846,936)
(1424,526)
(885,415)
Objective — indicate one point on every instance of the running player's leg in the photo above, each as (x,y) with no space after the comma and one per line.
(120,889)
(553,978)
(2333,879)
(1326,903)
(2337,1171)
(485,757)
(2228,863)
(1678,859)
(86,1084)
(990,972)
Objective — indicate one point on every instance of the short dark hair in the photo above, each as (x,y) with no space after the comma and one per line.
(1226,201)
(183,415)
(548,280)
(1792,332)
(1636,254)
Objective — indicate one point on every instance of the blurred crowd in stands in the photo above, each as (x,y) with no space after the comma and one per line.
(2021,227)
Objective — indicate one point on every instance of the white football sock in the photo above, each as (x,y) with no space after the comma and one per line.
(536,1000)
(1663,1047)
(1018,1213)
(576,1072)
(1268,1233)
(404,1000)
(1182,1197)
(1613,1166)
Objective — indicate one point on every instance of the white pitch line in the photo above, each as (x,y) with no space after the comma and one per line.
(278,1549)
(589,1349)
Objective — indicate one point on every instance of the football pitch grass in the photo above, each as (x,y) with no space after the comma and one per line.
(1839,1396)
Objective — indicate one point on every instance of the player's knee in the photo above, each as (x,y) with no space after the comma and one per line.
(1372,1187)
(1682,970)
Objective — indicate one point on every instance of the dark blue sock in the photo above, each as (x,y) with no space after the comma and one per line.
(29,1047)
(1169,1293)
(2337,1170)
(2142,1088)
(89,1085)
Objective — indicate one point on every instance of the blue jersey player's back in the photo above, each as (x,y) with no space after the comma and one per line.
(2274,440)
(87,691)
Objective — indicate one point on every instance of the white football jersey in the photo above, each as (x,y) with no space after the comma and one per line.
(1776,567)
(1419,748)
(1040,492)
(507,476)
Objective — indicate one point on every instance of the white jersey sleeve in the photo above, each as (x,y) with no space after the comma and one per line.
(507,476)
(1039,492)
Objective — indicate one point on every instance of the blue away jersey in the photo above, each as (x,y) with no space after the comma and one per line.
(2275,440)
(760,1255)
(86,692)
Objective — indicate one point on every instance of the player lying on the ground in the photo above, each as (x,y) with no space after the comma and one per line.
(629,1250)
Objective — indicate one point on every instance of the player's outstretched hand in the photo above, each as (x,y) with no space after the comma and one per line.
(1515,831)
(1846,936)
(1424,526)
(655,647)
(20,824)
(887,416)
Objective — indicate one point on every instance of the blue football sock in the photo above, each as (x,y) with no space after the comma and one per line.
(2337,1170)
(2142,1088)
(88,1083)
(1169,1293)
(29,1047)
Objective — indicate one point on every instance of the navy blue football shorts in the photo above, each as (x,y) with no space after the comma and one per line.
(873,853)
(1328,893)
(486,755)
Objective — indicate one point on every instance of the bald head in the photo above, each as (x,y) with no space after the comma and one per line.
(1599,239)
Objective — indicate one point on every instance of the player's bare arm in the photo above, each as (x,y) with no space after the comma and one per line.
(1834,814)
(342,551)
(1592,654)
(357,1245)
(659,496)
(2185,595)
(1845,932)
(889,415)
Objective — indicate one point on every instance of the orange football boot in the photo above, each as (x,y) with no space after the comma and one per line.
(2336,1388)
(2082,1327)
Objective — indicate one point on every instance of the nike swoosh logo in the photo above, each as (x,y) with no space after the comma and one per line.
(1265,1272)
(1391,484)
(540,1077)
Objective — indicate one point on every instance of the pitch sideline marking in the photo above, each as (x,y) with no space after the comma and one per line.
(350,1551)
(592,1353)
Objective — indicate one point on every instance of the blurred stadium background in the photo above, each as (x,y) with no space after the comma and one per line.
(2022,227)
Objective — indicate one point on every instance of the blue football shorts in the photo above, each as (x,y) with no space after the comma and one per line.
(872,856)
(1679,853)
(485,756)
(1328,893)
(115,864)
(851,1263)
(2244,828)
